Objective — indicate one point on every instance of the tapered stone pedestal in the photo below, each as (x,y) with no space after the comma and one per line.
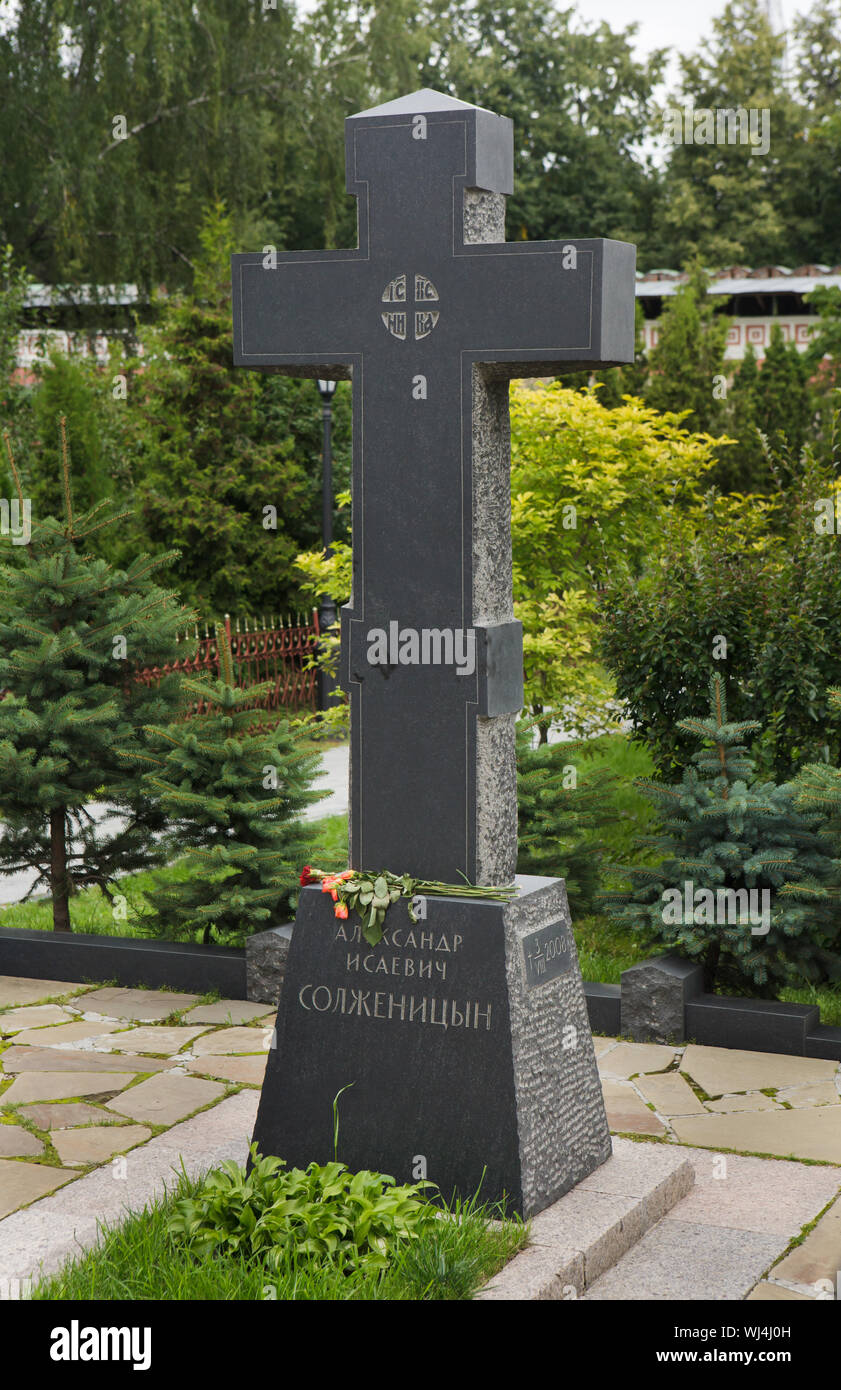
(464,1040)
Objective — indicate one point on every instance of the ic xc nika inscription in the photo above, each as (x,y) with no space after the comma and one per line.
(397,321)
(434,953)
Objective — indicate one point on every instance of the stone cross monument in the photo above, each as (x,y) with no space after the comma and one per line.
(429,317)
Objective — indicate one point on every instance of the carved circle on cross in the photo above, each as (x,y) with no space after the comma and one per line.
(421,318)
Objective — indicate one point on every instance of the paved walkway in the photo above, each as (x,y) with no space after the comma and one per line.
(97,1081)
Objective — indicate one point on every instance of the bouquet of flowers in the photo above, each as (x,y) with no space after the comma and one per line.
(372,894)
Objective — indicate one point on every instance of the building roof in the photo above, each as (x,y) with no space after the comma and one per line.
(46,296)
(739,279)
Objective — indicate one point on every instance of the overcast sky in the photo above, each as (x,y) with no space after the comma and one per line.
(677,24)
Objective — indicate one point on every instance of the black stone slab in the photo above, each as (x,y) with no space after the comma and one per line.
(824,1041)
(603,1007)
(132,963)
(452,1060)
(755,1025)
(411,315)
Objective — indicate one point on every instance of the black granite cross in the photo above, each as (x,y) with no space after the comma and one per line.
(429,317)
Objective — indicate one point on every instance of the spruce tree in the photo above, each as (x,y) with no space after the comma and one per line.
(817,789)
(226,462)
(234,793)
(723,830)
(558,816)
(783,402)
(71,628)
(742,466)
(689,355)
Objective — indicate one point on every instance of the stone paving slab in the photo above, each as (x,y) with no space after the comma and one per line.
(583,1233)
(64,1085)
(17,1142)
(754,1100)
(139,1005)
(626,1113)
(67,1222)
(679,1260)
(641,1168)
(231,1040)
(64,1034)
(802,1097)
(819,1256)
(33,1016)
(25,1182)
(84,1146)
(228,1011)
(42,1059)
(774,1293)
(719,1241)
(68,1115)
(814,1133)
(629,1058)
(164,1039)
(14,990)
(763,1195)
(249,1070)
(670,1094)
(162,1100)
(722,1071)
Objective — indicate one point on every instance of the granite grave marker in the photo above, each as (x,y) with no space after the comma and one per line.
(465,1035)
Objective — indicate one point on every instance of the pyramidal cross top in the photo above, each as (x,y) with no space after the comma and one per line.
(429,317)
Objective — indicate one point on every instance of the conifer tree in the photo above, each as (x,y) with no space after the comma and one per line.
(689,355)
(234,794)
(817,789)
(722,830)
(742,466)
(783,402)
(71,628)
(558,816)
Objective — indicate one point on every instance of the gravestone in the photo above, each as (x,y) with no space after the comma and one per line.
(465,1036)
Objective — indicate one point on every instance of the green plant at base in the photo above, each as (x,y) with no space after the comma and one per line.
(326,1213)
(722,831)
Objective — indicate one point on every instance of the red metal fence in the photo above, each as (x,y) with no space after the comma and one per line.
(276,652)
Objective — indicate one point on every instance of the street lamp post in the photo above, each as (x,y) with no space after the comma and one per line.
(327,612)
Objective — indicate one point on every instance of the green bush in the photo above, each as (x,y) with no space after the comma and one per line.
(348,1220)
(722,830)
(747,590)
(558,815)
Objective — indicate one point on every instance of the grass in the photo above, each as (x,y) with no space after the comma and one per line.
(616,753)
(331,848)
(91,911)
(139,1260)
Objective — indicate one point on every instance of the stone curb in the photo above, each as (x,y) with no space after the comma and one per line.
(586,1232)
(39,1238)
